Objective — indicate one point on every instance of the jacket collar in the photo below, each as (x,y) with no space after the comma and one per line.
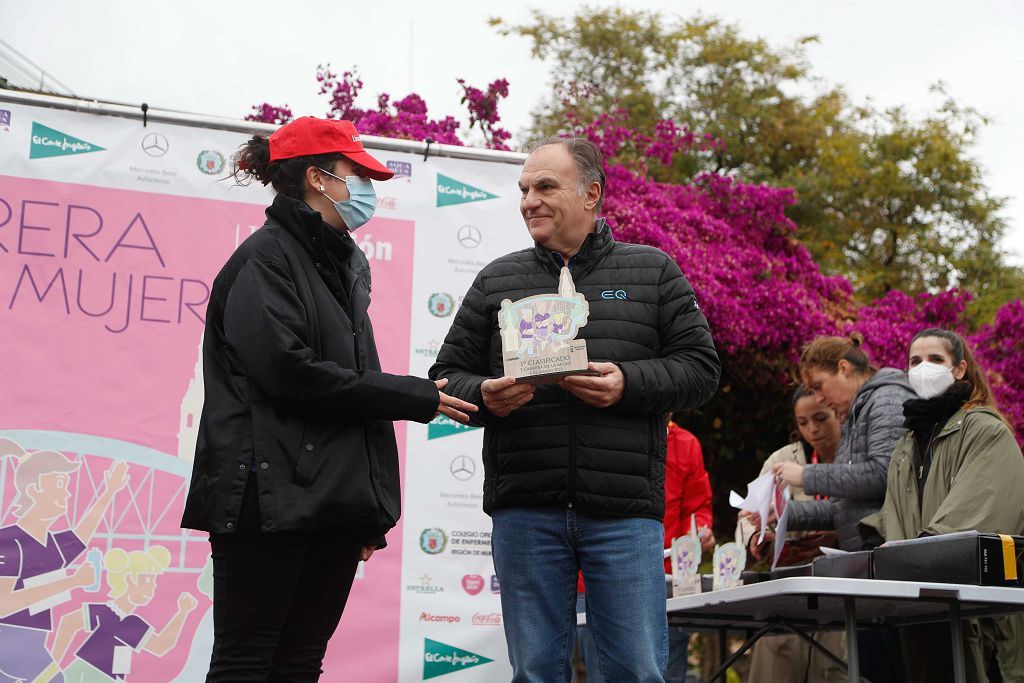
(596,245)
(309,229)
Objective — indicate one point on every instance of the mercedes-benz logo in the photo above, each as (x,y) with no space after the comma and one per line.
(469,236)
(155,145)
(462,467)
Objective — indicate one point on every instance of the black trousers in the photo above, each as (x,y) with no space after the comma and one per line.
(277,598)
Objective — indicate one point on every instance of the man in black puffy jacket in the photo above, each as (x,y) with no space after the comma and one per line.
(574,471)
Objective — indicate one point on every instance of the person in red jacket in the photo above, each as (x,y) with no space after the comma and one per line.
(687,496)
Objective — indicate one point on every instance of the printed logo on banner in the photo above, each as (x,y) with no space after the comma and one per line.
(462,467)
(442,426)
(433,541)
(210,162)
(429,350)
(441,304)
(495,586)
(473,584)
(424,587)
(469,236)
(440,659)
(389,203)
(155,145)
(5,119)
(440,618)
(492,619)
(401,169)
(49,142)
(451,192)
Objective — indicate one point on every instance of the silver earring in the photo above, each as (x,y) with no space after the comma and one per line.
(322,188)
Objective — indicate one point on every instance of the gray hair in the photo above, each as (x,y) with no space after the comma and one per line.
(588,160)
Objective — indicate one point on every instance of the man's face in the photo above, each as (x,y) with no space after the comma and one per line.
(555,214)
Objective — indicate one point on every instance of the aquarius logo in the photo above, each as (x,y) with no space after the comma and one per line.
(440,659)
(442,426)
(47,142)
(451,191)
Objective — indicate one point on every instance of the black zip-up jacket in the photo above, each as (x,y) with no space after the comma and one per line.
(294,390)
(556,450)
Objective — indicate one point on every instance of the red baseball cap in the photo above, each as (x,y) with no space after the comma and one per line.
(309,135)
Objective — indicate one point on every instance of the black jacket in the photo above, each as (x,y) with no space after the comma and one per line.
(294,389)
(556,450)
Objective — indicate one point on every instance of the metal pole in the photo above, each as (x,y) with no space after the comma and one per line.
(853,662)
(157,115)
(956,633)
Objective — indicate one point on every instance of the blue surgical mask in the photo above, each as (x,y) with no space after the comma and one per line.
(358,209)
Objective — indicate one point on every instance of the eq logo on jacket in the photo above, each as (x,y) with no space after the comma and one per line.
(614,294)
(433,541)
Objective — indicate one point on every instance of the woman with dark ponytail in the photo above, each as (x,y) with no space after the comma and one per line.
(296,467)
(957,468)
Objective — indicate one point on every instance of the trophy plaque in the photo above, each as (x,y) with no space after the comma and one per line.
(538,334)
(685,566)
(729,561)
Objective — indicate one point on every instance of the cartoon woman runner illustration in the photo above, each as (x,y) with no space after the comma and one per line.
(115,631)
(526,332)
(33,560)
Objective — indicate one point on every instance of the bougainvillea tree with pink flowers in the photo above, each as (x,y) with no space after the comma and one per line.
(762,292)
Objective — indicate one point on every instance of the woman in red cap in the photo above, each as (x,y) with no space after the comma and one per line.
(296,466)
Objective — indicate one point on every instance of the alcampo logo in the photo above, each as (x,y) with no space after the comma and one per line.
(440,659)
(47,142)
(451,191)
(442,426)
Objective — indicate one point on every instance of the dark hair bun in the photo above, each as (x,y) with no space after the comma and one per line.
(252,160)
(857,339)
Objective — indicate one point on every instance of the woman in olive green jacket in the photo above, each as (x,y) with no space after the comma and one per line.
(957,468)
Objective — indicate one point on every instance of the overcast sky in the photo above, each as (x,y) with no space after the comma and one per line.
(221,57)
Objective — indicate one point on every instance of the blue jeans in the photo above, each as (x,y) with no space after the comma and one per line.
(537,553)
(678,651)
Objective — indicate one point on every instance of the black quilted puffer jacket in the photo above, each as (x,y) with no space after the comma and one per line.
(556,450)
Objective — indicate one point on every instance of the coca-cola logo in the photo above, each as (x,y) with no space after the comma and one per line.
(492,619)
(473,583)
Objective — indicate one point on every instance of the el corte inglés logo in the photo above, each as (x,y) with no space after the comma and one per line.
(47,142)
(440,659)
(442,426)
(451,191)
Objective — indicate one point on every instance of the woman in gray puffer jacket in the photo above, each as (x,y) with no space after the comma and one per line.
(870,404)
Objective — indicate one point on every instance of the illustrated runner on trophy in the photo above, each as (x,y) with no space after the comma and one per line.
(538,334)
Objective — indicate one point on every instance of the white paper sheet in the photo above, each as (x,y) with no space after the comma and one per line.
(759,499)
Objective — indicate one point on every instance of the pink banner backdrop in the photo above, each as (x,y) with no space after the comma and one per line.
(102,301)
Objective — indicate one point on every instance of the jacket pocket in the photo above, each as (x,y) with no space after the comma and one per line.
(307,458)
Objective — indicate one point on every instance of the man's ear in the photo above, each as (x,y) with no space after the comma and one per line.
(593,196)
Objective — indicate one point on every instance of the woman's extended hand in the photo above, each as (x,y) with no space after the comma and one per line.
(452,407)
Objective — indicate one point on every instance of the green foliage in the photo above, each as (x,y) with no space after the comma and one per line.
(889,201)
